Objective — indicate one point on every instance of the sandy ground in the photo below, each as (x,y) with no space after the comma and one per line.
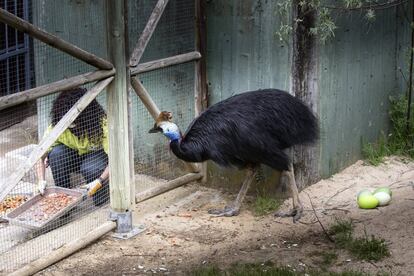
(181,235)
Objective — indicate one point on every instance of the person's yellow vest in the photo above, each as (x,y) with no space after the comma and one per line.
(82,145)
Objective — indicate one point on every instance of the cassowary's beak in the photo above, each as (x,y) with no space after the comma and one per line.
(155,129)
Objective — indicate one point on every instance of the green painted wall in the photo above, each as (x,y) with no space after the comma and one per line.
(243,54)
(357,74)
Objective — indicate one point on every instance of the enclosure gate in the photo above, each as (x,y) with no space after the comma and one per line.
(115,76)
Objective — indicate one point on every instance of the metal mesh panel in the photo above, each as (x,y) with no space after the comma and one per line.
(72,161)
(175,31)
(172,89)
(24,125)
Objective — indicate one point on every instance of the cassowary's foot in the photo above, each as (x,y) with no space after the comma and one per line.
(296,213)
(228,211)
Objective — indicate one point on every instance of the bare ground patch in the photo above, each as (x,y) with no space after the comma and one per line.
(182,236)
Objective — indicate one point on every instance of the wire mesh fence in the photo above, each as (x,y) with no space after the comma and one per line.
(78,160)
(171,88)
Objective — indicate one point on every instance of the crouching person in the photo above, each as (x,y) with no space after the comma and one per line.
(82,148)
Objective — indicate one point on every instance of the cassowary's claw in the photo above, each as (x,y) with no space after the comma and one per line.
(228,211)
(296,213)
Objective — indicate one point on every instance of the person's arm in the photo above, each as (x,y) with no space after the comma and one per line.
(105,175)
(40,171)
(95,185)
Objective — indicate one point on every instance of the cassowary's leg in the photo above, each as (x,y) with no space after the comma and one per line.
(234,208)
(297,210)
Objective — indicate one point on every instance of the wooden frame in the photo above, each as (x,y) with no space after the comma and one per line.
(198,171)
(147,32)
(65,251)
(123,196)
(200,89)
(165,62)
(170,185)
(44,90)
(120,167)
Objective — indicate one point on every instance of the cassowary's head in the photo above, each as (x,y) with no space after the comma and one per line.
(165,125)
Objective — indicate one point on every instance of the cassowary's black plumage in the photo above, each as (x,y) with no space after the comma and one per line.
(249,129)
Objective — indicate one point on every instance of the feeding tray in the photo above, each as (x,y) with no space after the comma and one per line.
(10,203)
(39,210)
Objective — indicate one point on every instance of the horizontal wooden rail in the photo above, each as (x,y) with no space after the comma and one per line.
(44,90)
(48,141)
(54,41)
(165,62)
(152,192)
(65,251)
(145,97)
(147,32)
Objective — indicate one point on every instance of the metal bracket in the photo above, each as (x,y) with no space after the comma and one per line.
(125,229)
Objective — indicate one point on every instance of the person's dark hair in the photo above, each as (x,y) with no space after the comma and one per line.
(89,122)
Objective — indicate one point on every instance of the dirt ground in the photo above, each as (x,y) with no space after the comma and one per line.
(181,236)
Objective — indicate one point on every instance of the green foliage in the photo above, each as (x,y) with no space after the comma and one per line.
(206,271)
(399,141)
(374,153)
(364,248)
(267,270)
(265,205)
(369,248)
(325,26)
(342,230)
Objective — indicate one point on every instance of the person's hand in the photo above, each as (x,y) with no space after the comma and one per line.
(93,187)
(46,162)
(40,187)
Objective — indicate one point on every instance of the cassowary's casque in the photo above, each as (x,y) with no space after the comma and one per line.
(245,131)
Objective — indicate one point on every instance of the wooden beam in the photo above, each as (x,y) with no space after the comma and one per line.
(120,166)
(52,40)
(147,32)
(154,110)
(170,185)
(165,62)
(48,141)
(200,89)
(145,98)
(44,90)
(65,251)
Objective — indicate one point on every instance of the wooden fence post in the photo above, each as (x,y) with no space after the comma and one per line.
(200,89)
(120,165)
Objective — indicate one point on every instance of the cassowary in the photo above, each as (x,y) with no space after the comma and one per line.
(244,131)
